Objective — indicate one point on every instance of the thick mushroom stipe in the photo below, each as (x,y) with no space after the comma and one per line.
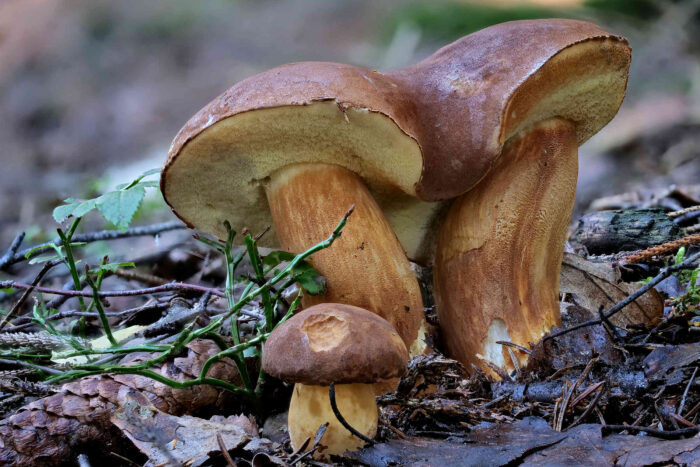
(305,201)
(310,408)
(503,242)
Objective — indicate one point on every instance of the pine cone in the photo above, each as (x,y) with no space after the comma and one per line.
(48,430)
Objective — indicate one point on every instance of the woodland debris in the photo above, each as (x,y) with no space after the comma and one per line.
(48,430)
(665,249)
(35,340)
(575,348)
(530,442)
(600,284)
(667,362)
(606,232)
(173,440)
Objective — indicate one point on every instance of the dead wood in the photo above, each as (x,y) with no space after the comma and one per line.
(606,232)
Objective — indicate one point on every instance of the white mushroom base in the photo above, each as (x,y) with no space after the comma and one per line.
(310,408)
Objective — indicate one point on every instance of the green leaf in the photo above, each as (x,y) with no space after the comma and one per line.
(44,259)
(41,247)
(119,207)
(275,258)
(8,290)
(309,279)
(137,181)
(679,256)
(73,208)
(303,273)
(251,352)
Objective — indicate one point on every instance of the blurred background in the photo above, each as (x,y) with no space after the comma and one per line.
(93,91)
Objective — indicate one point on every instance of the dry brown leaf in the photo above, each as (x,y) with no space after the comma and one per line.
(171,440)
(596,284)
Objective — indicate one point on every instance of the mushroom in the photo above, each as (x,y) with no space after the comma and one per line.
(491,122)
(295,147)
(509,106)
(341,348)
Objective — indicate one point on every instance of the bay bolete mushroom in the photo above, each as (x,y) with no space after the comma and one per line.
(509,106)
(491,121)
(295,147)
(340,345)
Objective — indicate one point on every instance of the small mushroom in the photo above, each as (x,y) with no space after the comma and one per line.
(336,346)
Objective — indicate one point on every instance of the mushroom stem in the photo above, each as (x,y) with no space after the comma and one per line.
(500,248)
(367,267)
(310,408)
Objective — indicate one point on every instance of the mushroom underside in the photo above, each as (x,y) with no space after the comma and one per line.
(222,173)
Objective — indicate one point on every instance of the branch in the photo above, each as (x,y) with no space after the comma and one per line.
(115,293)
(14,246)
(688,263)
(13,256)
(47,266)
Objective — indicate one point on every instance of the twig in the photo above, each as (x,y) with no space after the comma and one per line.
(341,419)
(78,314)
(589,408)
(224,451)
(516,346)
(682,420)
(47,266)
(171,286)
(659,250)
(90,237)
(33,366)
(683,211)
(672,434)
(10,253)
(688,263)
(685,393)
(148,279)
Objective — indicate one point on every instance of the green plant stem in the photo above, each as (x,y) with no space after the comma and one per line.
(100,310)
(256,262)
(120,350)
(70,262)
(98,283)
(248,296)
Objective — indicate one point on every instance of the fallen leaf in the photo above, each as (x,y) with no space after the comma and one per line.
(599,284)
(531,442)
(170,440)
(667,362)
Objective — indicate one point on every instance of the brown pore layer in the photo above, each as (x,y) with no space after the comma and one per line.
(306,202)
(500,248)
(334,343)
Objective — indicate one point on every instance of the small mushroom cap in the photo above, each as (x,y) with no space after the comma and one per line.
(335,343)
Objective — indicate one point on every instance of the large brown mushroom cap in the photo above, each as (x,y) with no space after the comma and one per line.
(430,131)
(221,161)
(335,343)
(477,92)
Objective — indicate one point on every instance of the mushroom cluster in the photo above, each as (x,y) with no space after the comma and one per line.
(467,159)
